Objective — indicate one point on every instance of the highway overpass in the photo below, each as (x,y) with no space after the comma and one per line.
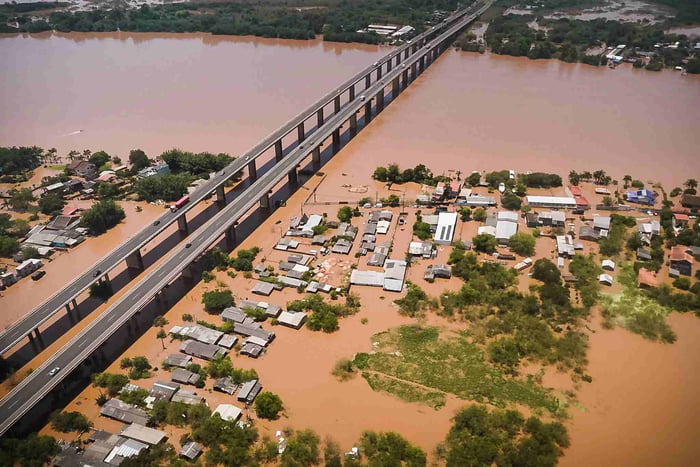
(303,125)
(394,72)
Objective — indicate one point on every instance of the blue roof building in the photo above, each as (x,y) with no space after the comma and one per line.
(642,196)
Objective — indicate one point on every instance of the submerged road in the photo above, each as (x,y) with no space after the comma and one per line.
(34,319)
(39,383)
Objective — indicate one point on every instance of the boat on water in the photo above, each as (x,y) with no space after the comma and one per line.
(501,187)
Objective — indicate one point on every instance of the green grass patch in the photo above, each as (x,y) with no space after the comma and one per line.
(405,390)
(451,365)
(60,167)
(635,311)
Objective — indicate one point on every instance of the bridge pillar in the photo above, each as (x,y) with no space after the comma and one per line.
(368,111)
(231,236)
(221,195)
(406,52)
(336,104)
(380,101)
(388,65)
(182,224)
(39,338)
(353,124)
(421,64)
(293,177)
(34,344)
(72,319)
(135,260)
(395,88)
(319,118)
(278,150)
(300,132)
(414,71)
(265,201)
(105,279)
(316,157)
(336,140)
(252,172)
(187,273)
(368,81)
(379,72)
(352,93)
(404,75)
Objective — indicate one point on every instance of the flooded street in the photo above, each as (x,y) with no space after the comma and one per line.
(467,112)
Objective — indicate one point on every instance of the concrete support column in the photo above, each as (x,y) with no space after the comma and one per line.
(316,157)
(187,273)
(182,224)
(395,87)
(368,111)
(421,64)
(39,338)
(379,72)
(252,172)
(265,201)
(319,118)
(293,177)
(406,52)
(231,235)
(380,101)
(278,150)
(72,319)
(135,260)
(35,345)
(414,71)
(105,278)
(221,195)
(336,140)
(352,93)
(404,76)
(368,81)
(388,65)
(353,124)
(301,136)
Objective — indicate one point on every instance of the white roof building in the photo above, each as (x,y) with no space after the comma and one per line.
(608,264)
(228,412)
(551,201)
(606,279)
(445,230)
(383,227)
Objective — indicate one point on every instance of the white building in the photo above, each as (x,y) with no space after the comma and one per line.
(445,231)
(551,201)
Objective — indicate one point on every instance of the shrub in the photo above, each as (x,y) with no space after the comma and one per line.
(268,405)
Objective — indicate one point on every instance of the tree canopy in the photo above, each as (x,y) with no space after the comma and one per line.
(102,216)
(268,405)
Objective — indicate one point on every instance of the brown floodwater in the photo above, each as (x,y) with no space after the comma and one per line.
(468,112)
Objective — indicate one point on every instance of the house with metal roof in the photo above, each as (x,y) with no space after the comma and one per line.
(187,397)
(263,288)
(198,332)
(642,196)
(606,279)
(228,412)
(118,410)
(143,434)
(292,319)
(383,227)
(249,391)
(377,259)
(226,385)
(201,350)
(190,450)
(394,275)
(228,341)
(560,202)
(422,249)
(164,390)
(180,375)
(681,261)
(443,271)
(608,265)
(342,246)
(367,278)
(251,350)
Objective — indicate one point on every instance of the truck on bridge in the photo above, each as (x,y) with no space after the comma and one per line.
(180,203)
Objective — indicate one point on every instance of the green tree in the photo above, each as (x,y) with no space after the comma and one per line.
(32,451)
(21,199)
(162,335)
(380,174)
(479,214)
(8,246)
(574,178)
(546,271)
(29,252)
(474,179)
(510,201)
(107,190)
(102,216)
(216,300)
(268,405)
(99,158)
(138,160)
(465,213)
(66,422)
(485,243)
(112,382)
(345,214)
(51,204)
(522,244)
(385,449)
(302,450)
(169,187)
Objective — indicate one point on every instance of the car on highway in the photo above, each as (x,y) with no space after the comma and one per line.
(362,98)
(156,223)
(222,172)
(96,273)
(188,245)
(54,370)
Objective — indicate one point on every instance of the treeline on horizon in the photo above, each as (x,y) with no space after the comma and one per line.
(338,22)
(569,40)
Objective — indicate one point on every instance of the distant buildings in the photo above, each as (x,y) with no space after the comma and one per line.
(391,279)
(83,169)
(161,168)
(642,196)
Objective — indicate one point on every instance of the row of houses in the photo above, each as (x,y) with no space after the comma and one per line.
(24,269)
(391,279)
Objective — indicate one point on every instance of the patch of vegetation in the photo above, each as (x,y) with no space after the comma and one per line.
(390,449)
(139,367)
(102,216)
(222,366)
(522,244)
(405,390)
(421,229)
(343,369)
(198,165)
(419,174)
(67,422)
(480,438)
(324,316)
(18,161)
(415,302)
(539,179)
(112,382)
(268,405)
(32,451)
(216,300)
(452,365)
(637,312)
(167,187)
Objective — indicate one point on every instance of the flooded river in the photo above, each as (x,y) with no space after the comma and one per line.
(468,112)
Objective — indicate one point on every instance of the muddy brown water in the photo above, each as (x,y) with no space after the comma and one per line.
(468,112)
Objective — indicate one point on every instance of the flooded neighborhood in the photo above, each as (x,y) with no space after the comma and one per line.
(191,275)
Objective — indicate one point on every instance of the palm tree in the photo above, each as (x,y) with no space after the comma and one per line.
(73,155)
(628,180)
(162,335)
(691,184)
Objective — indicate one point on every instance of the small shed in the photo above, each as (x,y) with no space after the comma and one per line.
(606,279)
(608,265)
(263,288)
(190,450)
